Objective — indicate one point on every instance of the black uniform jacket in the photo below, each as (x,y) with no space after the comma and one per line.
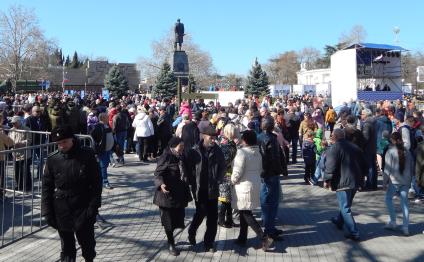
(72,189)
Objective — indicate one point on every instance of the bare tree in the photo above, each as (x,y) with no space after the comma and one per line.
(22,43)
(282,68)
(309,56)
(357,34)
(201,64)
(234,81)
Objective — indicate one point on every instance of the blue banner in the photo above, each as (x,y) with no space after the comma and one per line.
(105,94)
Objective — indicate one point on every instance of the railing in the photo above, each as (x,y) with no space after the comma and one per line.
(21,171)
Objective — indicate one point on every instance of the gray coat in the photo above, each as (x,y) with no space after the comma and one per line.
(391,168)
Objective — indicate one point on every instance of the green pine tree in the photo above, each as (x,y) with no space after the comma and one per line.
(67,61)
(257,81)
(116,82)
(75,62)
(166,83)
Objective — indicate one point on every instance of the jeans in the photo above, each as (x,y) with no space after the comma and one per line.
(391,191)
(309,171)
(345,218)
(270,198)
(318,171)
(208,209)
(294,142)
(372,172)
(104,159)
(120,140)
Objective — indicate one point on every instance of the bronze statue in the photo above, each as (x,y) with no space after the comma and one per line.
(179,34)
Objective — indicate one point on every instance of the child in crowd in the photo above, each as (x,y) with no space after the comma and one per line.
(309,156)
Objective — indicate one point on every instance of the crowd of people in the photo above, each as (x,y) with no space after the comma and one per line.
(229,159)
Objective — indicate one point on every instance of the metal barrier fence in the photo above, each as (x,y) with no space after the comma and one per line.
(21,172)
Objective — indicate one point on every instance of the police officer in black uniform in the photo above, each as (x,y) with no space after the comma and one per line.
(71,195)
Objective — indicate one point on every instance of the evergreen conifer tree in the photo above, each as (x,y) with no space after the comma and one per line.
(67,61)
(257,81)
(75,62)
(116,82)
(166,83)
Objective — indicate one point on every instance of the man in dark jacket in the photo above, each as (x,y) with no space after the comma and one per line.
(206,169)
(71,194)
(344,167)
(36,123)
(164,129)
(75,118)
(293,124)
(120,124)
(370,150)
(272,164)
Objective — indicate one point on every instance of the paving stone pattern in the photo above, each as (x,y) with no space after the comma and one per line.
(135,232)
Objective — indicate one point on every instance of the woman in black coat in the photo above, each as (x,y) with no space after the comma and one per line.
(172,192)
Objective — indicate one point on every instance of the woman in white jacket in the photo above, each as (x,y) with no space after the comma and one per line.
(143,130)
(247,182)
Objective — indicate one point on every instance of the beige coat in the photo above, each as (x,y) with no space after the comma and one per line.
(5,141)
(246,178)
(21,139)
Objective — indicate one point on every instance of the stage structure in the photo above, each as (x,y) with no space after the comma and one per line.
(368,72)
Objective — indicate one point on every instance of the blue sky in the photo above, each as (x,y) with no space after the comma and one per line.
(233,32)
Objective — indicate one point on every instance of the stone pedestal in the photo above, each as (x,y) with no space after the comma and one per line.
(180,69)
(180,63)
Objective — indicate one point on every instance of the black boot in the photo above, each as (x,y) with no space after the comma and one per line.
(173,250)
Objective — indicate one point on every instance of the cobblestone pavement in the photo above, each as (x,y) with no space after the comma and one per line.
(134,232)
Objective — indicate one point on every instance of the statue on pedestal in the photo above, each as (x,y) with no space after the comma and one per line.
(179,34)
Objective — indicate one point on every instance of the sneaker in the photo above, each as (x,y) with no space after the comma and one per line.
(210,248)
(107,186)
(353,237)
(418,201)
(390,226)
(405,231)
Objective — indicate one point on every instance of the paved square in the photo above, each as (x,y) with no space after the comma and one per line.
(135,232)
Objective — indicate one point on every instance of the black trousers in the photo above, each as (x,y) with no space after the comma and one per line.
(1,177)
(225,215)
(23,175)
(85,237)
(163,143)
(130,140)
(143,145)
(208,209)
(247,219)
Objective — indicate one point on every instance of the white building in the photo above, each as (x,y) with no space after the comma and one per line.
(313,77)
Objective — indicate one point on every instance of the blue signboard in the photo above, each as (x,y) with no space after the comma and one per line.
(105,94)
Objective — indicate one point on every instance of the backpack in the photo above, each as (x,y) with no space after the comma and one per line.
(412,135)
(103,138)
